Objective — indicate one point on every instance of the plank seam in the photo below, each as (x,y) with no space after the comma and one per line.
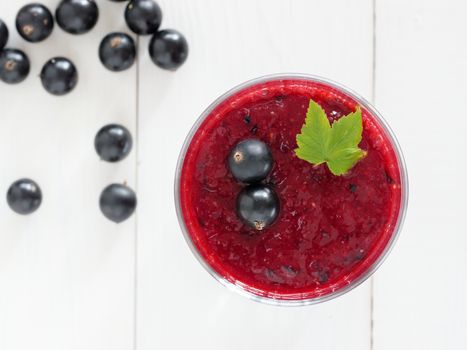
(373,100)
(135,296)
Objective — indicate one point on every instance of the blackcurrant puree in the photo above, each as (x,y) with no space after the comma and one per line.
(330,229)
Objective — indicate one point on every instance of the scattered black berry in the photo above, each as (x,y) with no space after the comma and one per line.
(143,17)
(59,76)
(24,196)
(117,202)
(258,206)
(247,119)
(14,66)
(34,22)
(168,49)
(323,277)
(353,188)
(290,271)
(113,143)
(389,179)
(250,161)
(3,34)
(273,276)
(117,51)
(77,16)
(254,129)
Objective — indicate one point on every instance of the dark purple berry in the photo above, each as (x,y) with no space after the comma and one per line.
(77,16)
(3,34)
(34,22)
(168,49)
(14,66)
(59,76)
(113,143)
(117,51)
(24,196)
(250,161)
(117,202)
(143,17)
(258,206)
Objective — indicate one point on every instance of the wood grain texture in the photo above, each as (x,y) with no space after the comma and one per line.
(178,304)
(421,84)
(66,273)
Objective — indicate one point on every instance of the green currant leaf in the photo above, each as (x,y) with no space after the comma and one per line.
(336,145)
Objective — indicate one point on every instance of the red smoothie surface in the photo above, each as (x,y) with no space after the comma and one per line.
(330,229)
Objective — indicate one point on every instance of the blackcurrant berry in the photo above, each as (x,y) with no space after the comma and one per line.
(34,22)
(117,202)
(143,17)
(258,206)
(77,16)
(117,51)
(14,66)
(3,34)
(113,143)
(250,161)
(168,49)
(24,196)
(59,76)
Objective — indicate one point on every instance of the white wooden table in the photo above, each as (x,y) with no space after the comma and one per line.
(70,279)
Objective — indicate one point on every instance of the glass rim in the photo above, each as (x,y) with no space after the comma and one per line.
(403,201)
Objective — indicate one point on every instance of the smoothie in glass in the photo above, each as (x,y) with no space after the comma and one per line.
(331,232)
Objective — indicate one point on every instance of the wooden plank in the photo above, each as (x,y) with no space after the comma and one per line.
(420,87)
(179,304)
(66,273)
